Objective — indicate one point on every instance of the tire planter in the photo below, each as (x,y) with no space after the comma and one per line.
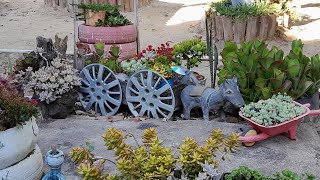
(128,50)
(107,35)
(31,168)
(17,143)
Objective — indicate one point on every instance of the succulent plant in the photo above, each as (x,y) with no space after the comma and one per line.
(132,66)
(276,110)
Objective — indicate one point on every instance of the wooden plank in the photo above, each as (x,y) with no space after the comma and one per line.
(131,5)
(219,27)
(227,23)
(113,2)
(252,28)
(121,5)
(239,30)
(273,26)
(264,27)
(126,4)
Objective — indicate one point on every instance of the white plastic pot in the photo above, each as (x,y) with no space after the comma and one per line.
(30,168)
(16,143)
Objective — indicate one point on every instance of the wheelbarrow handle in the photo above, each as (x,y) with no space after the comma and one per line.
(259,137)
(312,112)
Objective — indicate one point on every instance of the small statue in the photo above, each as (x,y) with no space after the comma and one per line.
(54,159)
(210,99)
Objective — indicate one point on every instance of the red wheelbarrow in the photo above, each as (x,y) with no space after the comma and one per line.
(265,132)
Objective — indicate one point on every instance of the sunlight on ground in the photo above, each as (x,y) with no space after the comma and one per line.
(187,2)
(187,14)
(308,31)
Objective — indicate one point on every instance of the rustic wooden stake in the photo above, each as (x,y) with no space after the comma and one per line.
(227,28)
(239,29)
(252,28)
(273,26)
(264,27)
(219,27)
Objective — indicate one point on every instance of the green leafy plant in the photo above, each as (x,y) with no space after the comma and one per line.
(131,66)
(278,109)
(113,16)
(263,72)
(191,50)
(14,108)
(152,160)
(244,173)
(224,8)
(111,62)
(290,175)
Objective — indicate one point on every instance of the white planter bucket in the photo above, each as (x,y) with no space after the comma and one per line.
(31,168)
(16,143)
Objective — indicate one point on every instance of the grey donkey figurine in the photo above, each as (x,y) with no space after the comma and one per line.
(210,99)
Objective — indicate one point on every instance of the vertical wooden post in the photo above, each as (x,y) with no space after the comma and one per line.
(252,28)
(239,29)
(227,28)
(264,27)
(136,19)
(219,27)
(273,26)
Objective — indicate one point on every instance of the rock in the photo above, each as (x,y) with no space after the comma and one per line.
(60,108)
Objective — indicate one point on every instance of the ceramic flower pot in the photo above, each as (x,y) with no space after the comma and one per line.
(17,142)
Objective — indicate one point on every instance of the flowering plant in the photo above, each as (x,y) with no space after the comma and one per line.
(14,108)
(160,59)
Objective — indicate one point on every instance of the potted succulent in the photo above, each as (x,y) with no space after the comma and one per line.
(18,135)
(115,29)
(55,82)
(93,13)
(192,51)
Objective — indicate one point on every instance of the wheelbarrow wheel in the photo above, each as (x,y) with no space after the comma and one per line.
(247,133)
(100,90)
(149,94)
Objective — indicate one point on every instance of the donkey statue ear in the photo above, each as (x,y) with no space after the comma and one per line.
(235,79)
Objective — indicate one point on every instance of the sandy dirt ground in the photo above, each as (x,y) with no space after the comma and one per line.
(164,20)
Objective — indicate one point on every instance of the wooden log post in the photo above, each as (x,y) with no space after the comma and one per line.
(227,23)
(252,28)
(239,29)
(264,27)
(273,26)
(219,27)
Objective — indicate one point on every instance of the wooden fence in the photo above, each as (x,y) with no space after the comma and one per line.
(125,5)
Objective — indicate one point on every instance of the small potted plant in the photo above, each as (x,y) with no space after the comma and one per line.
(94,13)
(192,51)
(18,135)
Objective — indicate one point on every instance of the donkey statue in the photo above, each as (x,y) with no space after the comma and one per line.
(210,99)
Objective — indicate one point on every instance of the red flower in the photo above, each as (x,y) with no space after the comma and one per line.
(34,102)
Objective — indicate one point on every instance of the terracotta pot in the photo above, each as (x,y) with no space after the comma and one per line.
(30,168)
(93,16)
(16,143)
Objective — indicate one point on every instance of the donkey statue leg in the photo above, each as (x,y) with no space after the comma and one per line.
(205,111)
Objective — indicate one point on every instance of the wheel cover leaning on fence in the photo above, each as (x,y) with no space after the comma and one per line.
(149,94)
(100,90)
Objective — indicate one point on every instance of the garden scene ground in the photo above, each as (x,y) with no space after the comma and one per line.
(164,20)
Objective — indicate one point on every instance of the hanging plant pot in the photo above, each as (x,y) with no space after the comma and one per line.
(93,16)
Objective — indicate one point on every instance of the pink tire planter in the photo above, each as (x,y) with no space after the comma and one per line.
(107,35)
(289,127)
(128,50)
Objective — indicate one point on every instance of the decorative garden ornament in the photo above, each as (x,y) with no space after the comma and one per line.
(211,99)
(188,77)
(54,159)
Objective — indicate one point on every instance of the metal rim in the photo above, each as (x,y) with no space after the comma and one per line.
(145,96)
(100,90)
